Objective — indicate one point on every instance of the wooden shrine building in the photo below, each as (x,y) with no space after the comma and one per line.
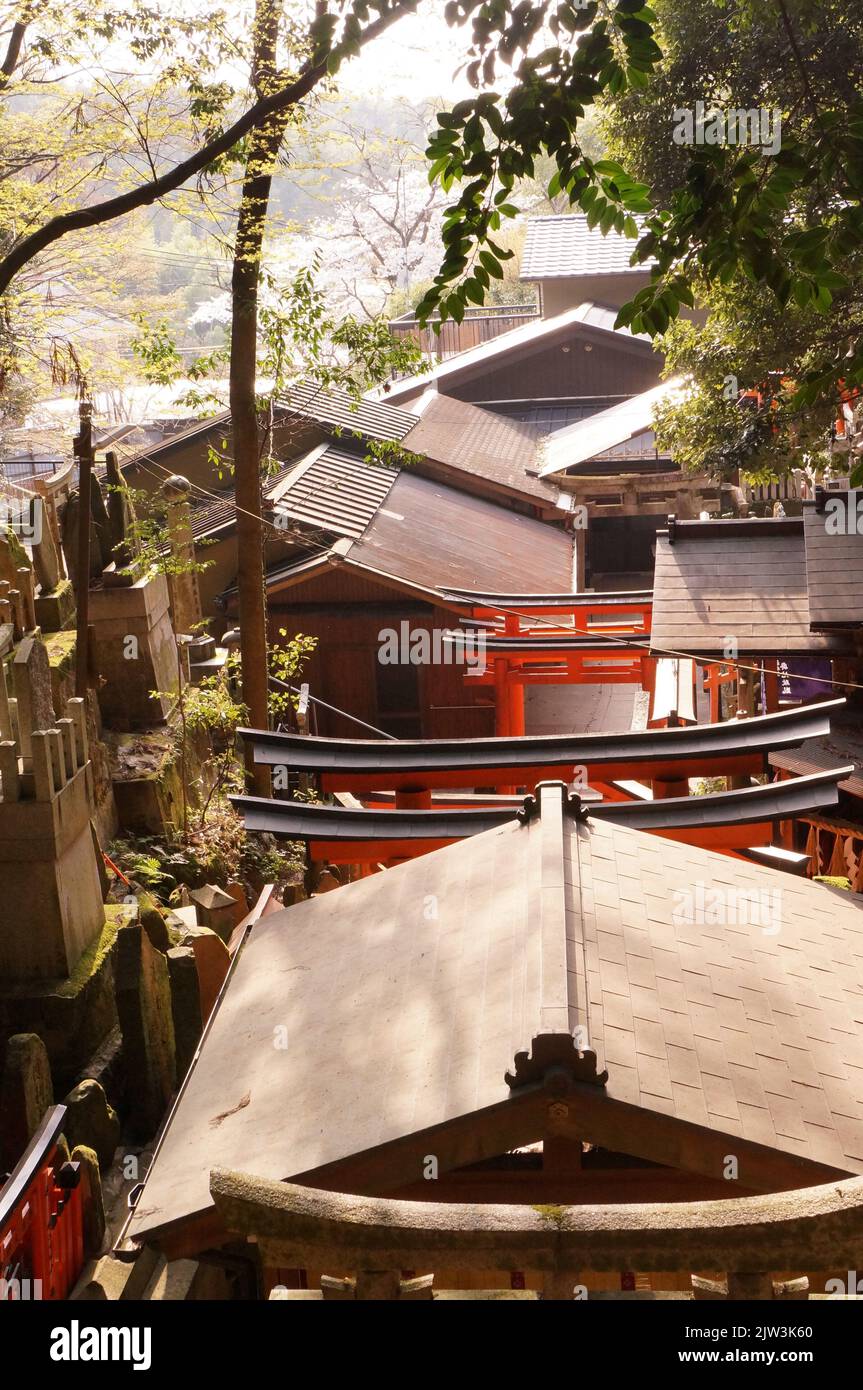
(544,1014)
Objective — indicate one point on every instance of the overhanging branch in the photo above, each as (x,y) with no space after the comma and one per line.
(150,192)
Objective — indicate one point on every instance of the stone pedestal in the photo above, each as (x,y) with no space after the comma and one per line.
(135,652)
(51,905)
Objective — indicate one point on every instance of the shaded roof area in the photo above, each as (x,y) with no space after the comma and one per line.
(588,438)
(435,537)
(593,320)
(843,745)
(563,246)
(834,560)
(742,579)
(216,511)
(340,411)
(545,929)
(476,441)
(334,489)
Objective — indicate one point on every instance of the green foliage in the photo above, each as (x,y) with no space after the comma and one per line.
(489,142)
(210,707)
(151,536)
(139,865)
(161,362)
(286,661)
(771,244)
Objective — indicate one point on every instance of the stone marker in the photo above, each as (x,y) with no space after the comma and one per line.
(26,1093)
(13,557)
(92,1121)
(5,713)
(185,1005)
(31,673)
(143,993)
(94,1211)
(185,597)
(212,961)
(46,560)
(216,909)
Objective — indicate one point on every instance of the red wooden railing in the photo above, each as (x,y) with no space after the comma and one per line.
(42,1207)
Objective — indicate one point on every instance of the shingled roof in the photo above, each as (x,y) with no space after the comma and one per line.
(469,440)
(332,488)
(556,942)
(595,322)
(587,439)
(834,560)
(340,412)
(564,246)
(743,580)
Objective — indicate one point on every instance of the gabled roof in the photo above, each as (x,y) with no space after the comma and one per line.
(591,319)
(563,246)
(741,580)
(834,560)
(588,438)
(471,440)
(556,943)
(843,744)
(339,411)
(334,489)
(426,536)
(438,538)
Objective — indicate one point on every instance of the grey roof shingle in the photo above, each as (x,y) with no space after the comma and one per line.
(333,488)
(397,1022)
(744,580)
(561,247)
(476,441)
(337,410)
(834,561)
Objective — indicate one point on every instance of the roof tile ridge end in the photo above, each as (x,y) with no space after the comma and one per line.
(555,1048)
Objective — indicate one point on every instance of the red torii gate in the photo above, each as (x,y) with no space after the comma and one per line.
(557,639)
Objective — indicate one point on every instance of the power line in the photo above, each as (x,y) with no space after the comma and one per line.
(535,619)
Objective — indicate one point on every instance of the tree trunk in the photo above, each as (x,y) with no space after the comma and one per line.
(246,435)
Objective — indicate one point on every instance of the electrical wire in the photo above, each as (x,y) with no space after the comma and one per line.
(535,619)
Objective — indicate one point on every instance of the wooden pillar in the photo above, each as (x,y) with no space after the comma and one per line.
(771,687)
(410,800)
(84,453)
(501,697)
(516,706)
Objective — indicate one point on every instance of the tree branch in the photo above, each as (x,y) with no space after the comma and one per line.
(13,51)
(257,114)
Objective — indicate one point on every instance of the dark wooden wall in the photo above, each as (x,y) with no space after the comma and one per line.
(554,372)
(346,612)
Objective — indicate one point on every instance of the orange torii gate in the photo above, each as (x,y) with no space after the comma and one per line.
(557,639)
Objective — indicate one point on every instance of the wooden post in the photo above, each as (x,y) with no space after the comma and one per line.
(84,455)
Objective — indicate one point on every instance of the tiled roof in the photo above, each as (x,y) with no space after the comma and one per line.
(339,411)
(476,441)
(555,942)
(834,560)
(743,580)
(520,342)
(843,745)
(333,489)
(588,438)
(564,246)
(435,537)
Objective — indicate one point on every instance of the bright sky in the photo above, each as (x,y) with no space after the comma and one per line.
(417,58)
